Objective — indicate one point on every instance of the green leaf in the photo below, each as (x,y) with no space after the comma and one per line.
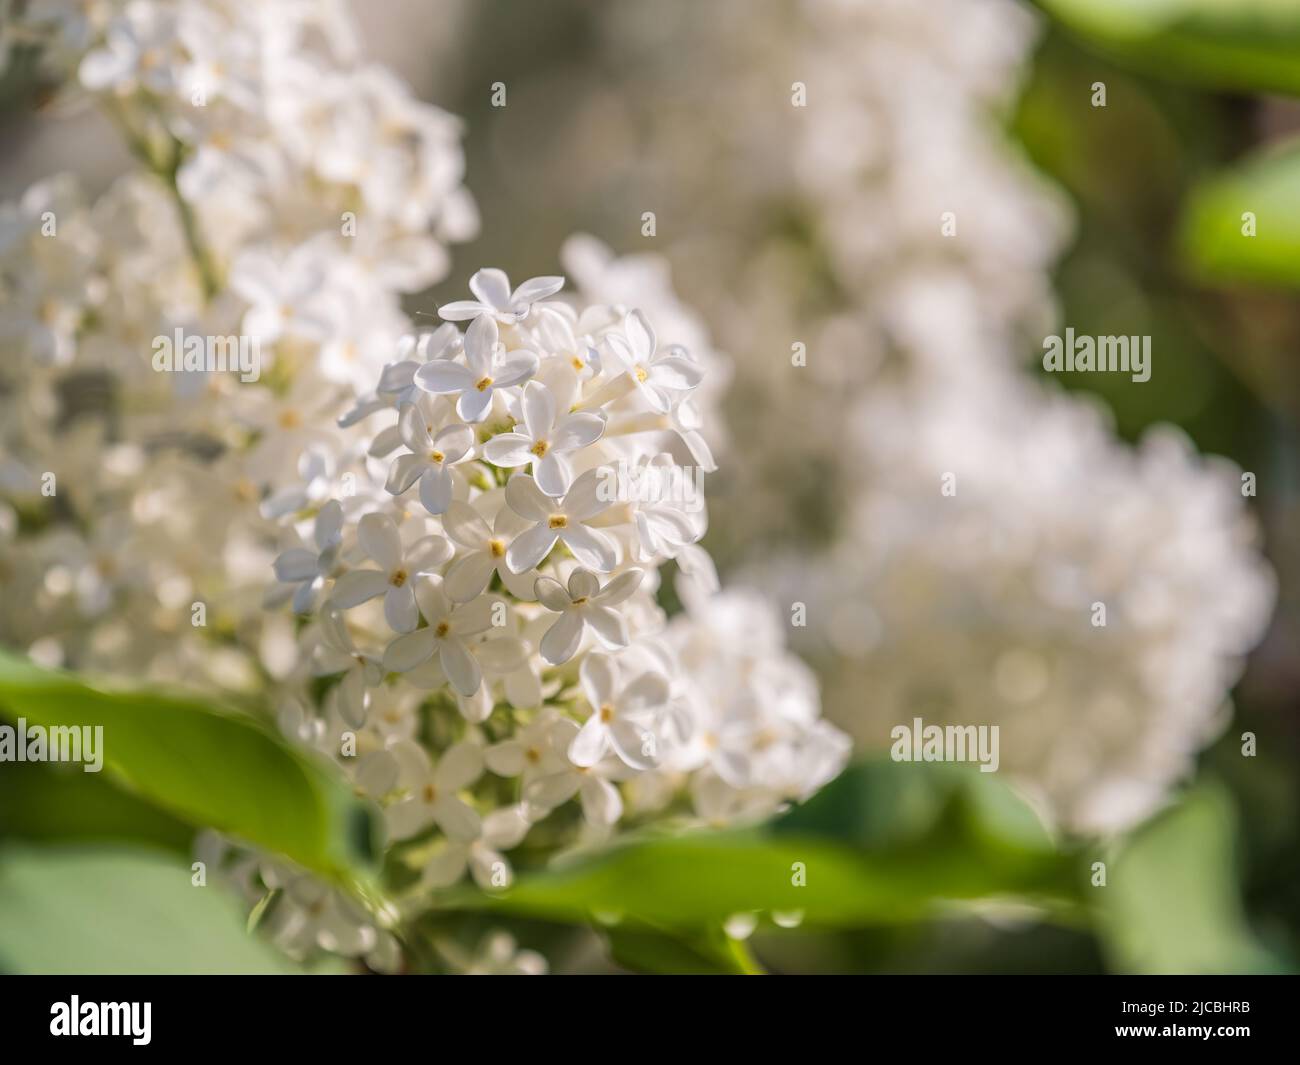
(1268,186)
(1246,45)
(1170,903)
(57,803)
(88,910)
(204,765)
(832,863)
(649,950)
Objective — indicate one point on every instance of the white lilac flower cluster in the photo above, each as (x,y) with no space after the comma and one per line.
(286,195)
(1094,601)
(506,558)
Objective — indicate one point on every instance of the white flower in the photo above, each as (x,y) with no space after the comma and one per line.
(444,634)
(307,569)
(485,553)
(395,579)
(141,48)
(499,955)
(567,521)
(584,603)
(431,790)
(547,439)
(623,716)
(398,378)
(489,367)
(430,459)
(495,300)
(502,830)
(339,654)
(556,779)
(284,296)
(659,376)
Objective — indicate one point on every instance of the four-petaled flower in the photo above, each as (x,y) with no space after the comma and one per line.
(309,569)
(546,441)
(489,367)
(496,301)
(445,633)
(566,520)
(430,458)
(395,579)
(657,375)
(623,716)
(431,790)
(584,603)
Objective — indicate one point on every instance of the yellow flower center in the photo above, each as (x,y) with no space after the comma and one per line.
(558,521)
(497,548)
(642,374)
(430,793)
(606,714)
(398,578)
(442,629)
(436,456)
(540,448)
(484,384)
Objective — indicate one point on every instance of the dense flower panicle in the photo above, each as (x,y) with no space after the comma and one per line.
(287,196)
(523,591)
(1094,601)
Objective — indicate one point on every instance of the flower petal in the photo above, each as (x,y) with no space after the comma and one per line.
(551,594)
(609,625)
(529,548)
(358,586)
(591,547)
(435,489)
(586,498)
(460,666)
(539,410)
(459,767)
(468,576)
(443,376)
(399,608)
(466,526)
(404,472)
(458,820)
(492,287)
(508,449)
(408,651)
(589,745)
(562,639)
(526,499)
(577,430)
(379,539)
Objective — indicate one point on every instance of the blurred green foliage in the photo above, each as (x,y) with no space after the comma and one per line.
(202,764)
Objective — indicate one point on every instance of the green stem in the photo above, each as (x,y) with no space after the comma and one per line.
(744,958)
(166,170)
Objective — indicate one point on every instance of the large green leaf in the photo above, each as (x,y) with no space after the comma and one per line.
(650,950)
(1229,44)
(1268,187)
(831,864)
(47,803)
(87,911)
(205,765)
(1170,903)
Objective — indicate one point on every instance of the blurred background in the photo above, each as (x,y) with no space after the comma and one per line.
(1096,165)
